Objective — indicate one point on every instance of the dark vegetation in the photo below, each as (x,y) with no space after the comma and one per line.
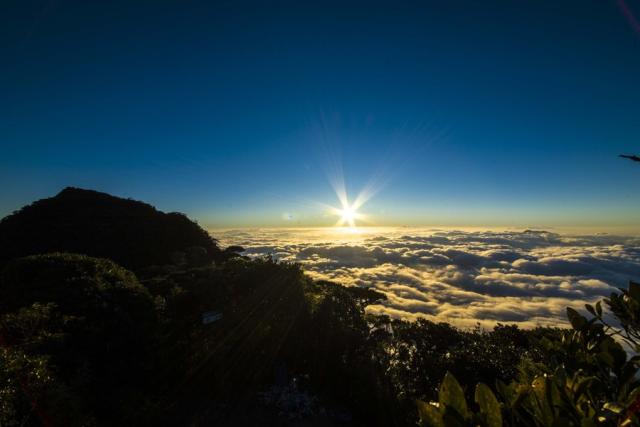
(84,341)
(131,233)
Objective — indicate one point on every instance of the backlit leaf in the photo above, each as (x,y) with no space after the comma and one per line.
(489,406)
(577,320)
(452,395)
(430,415)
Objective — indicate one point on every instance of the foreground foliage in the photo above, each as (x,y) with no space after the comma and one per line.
(591,380)
(82,336)
(131,233)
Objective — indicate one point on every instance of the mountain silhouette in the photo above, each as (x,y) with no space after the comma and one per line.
(132,233)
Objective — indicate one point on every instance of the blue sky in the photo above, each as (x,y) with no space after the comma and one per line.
(240,114)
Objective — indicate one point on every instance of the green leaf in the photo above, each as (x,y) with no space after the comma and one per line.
(590,309)
(543,410)
(613,407)
(430,415)
(582,385)
(632,397)
(489,406)
(452,395)
(612,354)
(451,418)
(599,308)
(578,322)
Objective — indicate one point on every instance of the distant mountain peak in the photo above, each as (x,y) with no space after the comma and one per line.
(132,233)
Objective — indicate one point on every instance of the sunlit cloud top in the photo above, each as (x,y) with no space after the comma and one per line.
(526,277)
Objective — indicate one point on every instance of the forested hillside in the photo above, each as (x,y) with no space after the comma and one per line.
(131,233)
(202,336)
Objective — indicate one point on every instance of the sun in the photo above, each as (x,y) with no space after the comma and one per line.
(348,216)
(349,212)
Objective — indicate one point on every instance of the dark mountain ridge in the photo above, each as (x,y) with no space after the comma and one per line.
(132,233)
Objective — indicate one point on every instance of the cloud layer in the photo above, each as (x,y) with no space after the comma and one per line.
(461,277)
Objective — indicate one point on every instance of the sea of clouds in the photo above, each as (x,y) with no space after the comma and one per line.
(525,277)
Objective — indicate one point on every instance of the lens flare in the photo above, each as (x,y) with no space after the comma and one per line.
(347,214)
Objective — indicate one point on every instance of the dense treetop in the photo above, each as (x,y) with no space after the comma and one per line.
(131,233)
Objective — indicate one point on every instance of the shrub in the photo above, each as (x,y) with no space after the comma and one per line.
(591,380)
(92,320)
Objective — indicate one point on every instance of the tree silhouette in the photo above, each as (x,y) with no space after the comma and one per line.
(131,233)
(630,157)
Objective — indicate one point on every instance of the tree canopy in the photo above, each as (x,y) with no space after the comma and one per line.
(131,233)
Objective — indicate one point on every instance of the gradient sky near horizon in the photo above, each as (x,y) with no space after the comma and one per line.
(492,113)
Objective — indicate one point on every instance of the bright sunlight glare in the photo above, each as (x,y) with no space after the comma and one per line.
(348,213)
(348,216)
